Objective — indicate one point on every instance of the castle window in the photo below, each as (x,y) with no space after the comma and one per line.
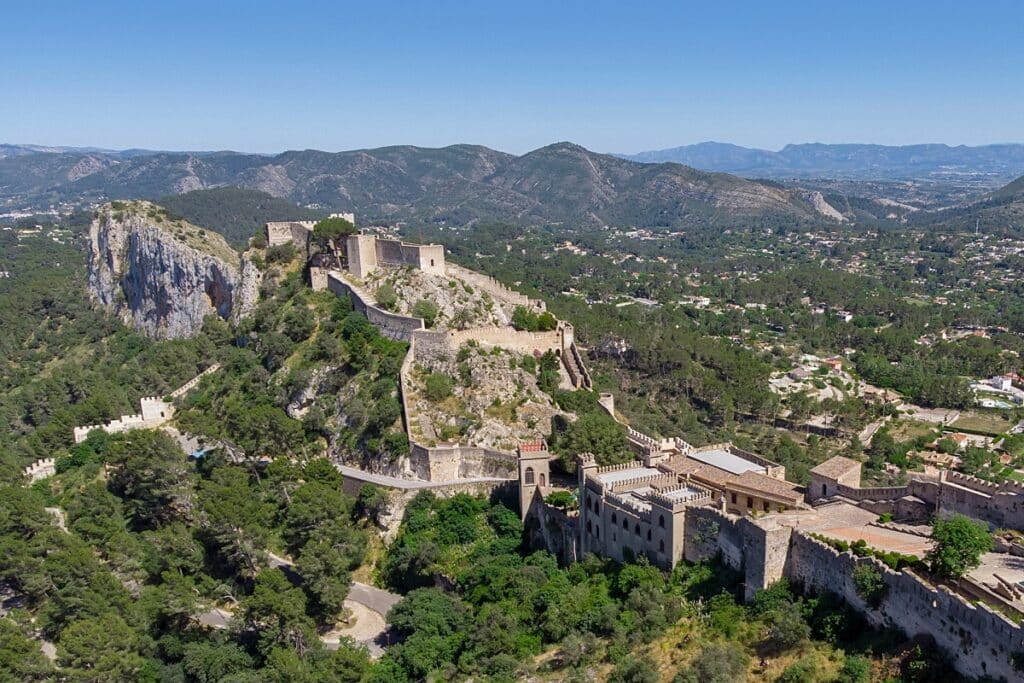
(733,498)
(824,489)
(636,529)
(529,475)
(661,546)
(590,528)
(625,524)
(648,535)
(750,502)
(615,518)
(431,261)
(543,482)
(765,504)
(661,521)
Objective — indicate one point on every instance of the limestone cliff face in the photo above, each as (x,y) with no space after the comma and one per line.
(163,275)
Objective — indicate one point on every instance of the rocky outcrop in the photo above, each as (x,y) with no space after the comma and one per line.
(162,275)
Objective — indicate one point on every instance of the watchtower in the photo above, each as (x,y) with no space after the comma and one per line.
(534,472)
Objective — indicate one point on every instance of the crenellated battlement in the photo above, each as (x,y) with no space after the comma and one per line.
(661,498)
(647,480)
(40,469)
(624,502)
(972,482)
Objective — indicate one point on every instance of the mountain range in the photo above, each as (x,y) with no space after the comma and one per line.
(458,185)
(816,160)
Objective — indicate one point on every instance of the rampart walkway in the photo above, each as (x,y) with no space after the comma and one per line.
(410,484)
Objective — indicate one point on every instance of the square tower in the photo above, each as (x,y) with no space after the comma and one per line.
(362,255)
(534,472)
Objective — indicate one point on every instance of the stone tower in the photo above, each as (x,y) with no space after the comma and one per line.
(362,254)
(534,473)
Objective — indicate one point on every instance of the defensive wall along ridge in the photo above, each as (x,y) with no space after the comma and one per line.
(154,411)
(443,462)
(980,640)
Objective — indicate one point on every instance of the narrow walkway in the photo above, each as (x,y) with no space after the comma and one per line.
(411,484)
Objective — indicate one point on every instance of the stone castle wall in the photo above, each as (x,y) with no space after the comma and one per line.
(496,289)
(450,462)
(391,325)
(760,549)
(979,640)
(283,232)
(40,469)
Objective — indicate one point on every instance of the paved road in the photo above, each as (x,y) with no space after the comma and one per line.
(380,601)
(373,599)
(868,432)
(410,484)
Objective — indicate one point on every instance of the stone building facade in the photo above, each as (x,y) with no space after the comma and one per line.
(296,232)
(367,253)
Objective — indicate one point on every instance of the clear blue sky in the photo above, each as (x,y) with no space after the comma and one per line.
(622,76)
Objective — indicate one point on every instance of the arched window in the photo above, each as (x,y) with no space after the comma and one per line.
(625,524)
(590,528)
(597,531)
(529,475)
(824,489)
(636,529)
(661,546)
(661,521)
(648,535)
(542,480)
(615,518)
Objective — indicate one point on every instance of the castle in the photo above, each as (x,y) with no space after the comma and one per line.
(153,411)
(675,502)
(365,252)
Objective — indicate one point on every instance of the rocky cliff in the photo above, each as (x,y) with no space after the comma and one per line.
(163,275)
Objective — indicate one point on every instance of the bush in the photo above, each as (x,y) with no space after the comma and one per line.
(437,387)
(281,253)
(870,584)
(787,629)
(426,309)
(561,499)
(387,298)
(855,669)
(801,671)
(635,669)
(724,662)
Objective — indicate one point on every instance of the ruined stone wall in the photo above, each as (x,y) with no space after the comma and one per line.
(283,232)
(447,463)
(759,548)
(426,257)
(979,640)
(710,532)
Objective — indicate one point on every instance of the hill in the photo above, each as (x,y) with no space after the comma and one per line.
(816,160)
(457,185)
(234,212)
(1000,212)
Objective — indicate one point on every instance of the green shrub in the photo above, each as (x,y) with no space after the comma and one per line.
(426,309)
(437,387)
(387,298)
(870,584)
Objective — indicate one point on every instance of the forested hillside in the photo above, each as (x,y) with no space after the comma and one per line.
(235,213)
(118,563)
(457,185)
